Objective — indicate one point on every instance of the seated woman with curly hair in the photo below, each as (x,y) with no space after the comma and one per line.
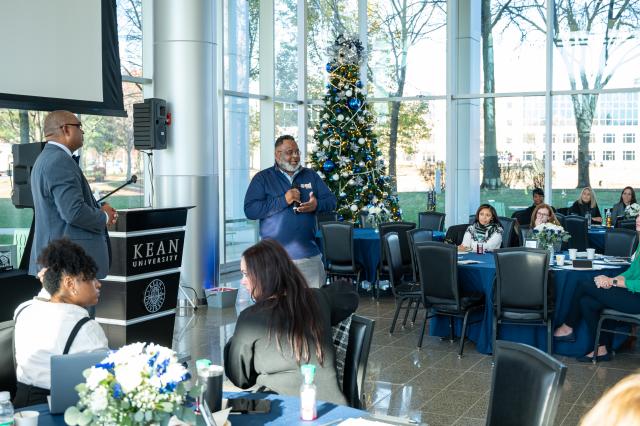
(59,325)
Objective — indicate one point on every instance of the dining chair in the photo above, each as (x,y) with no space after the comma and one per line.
(326,217)
(525,230)
(401,228)
(510,237)
(403,291)
(613,315)
(441,291)
(357,357)
(431,220)
(418,235)
(577,227)
(626,224)
(8,380)
(455,233)
(521,290)
(561,218)
(337,247)
(620,242)
(525,387)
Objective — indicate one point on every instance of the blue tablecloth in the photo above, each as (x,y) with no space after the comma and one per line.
(366,247)
(285,410)
(479,278)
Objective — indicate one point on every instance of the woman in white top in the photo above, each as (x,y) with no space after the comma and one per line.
(486,229)
(56,326)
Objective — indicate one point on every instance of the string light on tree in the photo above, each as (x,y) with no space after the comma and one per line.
(345,152)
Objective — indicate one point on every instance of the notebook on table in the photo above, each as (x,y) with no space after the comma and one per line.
(66,374)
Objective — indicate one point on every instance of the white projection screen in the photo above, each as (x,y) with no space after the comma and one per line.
(60,54)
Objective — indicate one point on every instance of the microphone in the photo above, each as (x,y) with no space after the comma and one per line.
(296,204)
(133,179)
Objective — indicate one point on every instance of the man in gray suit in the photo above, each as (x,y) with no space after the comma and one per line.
(63,203)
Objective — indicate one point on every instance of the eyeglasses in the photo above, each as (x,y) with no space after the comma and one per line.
(78,125)
(541,214)
(290,152)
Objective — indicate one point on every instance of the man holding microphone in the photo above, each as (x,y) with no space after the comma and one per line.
(285,199)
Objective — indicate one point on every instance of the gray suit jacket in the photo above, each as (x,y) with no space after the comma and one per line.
(65,207)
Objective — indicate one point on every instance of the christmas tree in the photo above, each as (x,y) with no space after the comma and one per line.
(346,154)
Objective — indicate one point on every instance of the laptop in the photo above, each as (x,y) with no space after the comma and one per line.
(66,374)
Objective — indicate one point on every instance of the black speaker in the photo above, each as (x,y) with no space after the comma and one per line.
(24,157)
(150,124)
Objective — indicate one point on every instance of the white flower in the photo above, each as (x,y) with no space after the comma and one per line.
(129,377)
(632,210)
(348,93)
(99,400)
(335,177)
(96,375)
(340,117)
(354,208)
(361,141)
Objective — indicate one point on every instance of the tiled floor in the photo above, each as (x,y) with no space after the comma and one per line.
(432,385)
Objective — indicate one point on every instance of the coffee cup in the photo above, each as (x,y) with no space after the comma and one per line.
(573,253)
(26,418)
(559,259)
(591,253)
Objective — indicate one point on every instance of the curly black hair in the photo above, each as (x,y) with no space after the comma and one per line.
(63,257)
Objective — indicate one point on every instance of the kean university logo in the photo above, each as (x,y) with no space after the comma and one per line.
(154,295)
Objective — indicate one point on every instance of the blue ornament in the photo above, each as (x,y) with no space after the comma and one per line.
(334,90)
(354,103)
(368,157)
(328,86)
(358,83)
(328,166)
(351,157)
(329,67)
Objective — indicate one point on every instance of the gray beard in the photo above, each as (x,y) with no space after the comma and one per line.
(287,167)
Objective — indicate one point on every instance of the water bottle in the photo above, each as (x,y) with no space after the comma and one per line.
(6,409)
(608,218)
(308,410)
(587,216)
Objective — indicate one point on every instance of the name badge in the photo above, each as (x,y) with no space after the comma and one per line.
(306,185)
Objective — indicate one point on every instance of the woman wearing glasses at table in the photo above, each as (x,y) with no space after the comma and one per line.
(543,213)
(486,229)
(621,293)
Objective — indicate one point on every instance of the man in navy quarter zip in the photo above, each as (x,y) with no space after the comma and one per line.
(285,199)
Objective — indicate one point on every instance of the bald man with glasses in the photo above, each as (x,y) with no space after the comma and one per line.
(64,205)
(285,199)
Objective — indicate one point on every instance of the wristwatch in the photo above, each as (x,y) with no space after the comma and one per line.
(614,283)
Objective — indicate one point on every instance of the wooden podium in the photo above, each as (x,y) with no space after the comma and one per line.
(138,298)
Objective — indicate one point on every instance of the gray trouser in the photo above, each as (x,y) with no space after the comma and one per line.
(313,270)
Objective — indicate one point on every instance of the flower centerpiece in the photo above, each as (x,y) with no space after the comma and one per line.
(632,210)
(138,384)
(377,214)
(548,235)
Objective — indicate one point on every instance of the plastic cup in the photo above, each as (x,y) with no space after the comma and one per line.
(573,253)
(559,259)
(591,253)
(26,418)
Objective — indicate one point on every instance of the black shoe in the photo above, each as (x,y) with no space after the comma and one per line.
(599,358)
(571,337)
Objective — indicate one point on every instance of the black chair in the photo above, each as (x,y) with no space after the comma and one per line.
(441,292)
(401,228)
(510,237)
(525,387)
(431,220)
(7,362)
(325,217)
(337,246)
(563,211)
(620,242)
(355,365)
(521,289)
(472,218)
(455,233)
(362,218)
(626,224)
(561,218)
(403,291)
(576,226)
(418,235)
(521,216)
(613,315)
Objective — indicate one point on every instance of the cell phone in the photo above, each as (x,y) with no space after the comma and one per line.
(249,406)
